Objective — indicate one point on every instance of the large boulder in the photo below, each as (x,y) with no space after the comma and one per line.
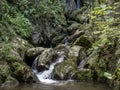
(13,54)
(31,54)
(4,72)
(67,68)
(47,57)
(83,74)
(83,41)
(22,72)
(10,82)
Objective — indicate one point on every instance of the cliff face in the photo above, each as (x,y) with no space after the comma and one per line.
(92,31)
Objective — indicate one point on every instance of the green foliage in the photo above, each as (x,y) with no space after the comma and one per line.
(105,26)
(22,26)
(13,23)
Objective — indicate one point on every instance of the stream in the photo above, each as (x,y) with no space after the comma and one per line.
(63,85)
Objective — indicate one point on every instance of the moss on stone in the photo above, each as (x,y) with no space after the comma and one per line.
(83,41)
(83,74)
(65,69)
(4,73)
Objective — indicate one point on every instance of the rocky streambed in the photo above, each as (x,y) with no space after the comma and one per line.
(87,40)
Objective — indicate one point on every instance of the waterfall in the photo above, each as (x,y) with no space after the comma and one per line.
(78,4)
(66,41)
(35,65)
(82,63)
(45,76)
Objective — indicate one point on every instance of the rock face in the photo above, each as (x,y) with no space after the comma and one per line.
(31,54)
(12,61)
(92,37)
(83,75)
(4,73)
(46,58)
(67,68)
(50,25)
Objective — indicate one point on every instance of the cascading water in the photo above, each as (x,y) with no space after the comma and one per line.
(45,76)
(66,41)
(35,65)
(82,63)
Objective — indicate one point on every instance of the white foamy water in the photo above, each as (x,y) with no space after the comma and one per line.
(45,76)
(35,64)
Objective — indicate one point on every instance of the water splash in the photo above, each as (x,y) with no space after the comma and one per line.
(45,76)
(35,65)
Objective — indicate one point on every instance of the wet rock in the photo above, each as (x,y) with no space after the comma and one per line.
(65,69)
(74,51)
(10,83)
(62,49)
(46,58)
(31,54)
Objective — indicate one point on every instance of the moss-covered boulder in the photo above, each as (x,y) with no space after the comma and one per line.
(21,72)
(46,58)
(31,54)
(10,82)
(65,69)
(13,54)
(83,41)
(74,36)
(83,74)
(4,72)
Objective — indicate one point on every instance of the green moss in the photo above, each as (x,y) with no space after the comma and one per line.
(65,69)
(84,74)
(20,71)
(83,41)
(4,73)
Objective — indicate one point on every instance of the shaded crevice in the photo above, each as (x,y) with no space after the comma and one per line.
(29,60)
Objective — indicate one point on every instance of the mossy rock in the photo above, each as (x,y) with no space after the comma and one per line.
(65,69)
(83,74)
(82,18)
(56,40)
(77,12)
(33,52)
(83,41)
(10,82)
(4,73)
(47,57)
(21,72)
(72,28)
